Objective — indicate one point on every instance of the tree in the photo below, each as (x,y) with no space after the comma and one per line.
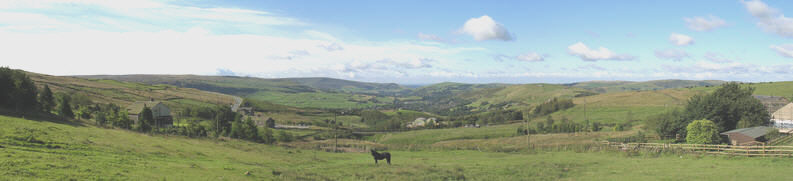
(271,122)
(668,124)
(267,135)
(65,109)
(101,118)
(145,119)
(46,99)
(251,130)
(702,132)
(284,136)
(727,106)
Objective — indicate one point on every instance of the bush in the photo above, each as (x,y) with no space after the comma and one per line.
(702,132)
(284,136)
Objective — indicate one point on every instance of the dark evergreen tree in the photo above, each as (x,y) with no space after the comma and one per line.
(65,109)
(145,119)
(271,122)
(47,99)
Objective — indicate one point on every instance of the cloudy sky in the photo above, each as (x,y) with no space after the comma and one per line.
(409,42)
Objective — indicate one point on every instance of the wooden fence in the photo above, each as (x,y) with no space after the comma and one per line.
(763,150)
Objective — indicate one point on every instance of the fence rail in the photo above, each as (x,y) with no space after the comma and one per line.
(761,150)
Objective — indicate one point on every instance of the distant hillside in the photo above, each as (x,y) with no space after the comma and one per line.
(125,93)
(246,85)
(297,92)
(521,96)
(618,86)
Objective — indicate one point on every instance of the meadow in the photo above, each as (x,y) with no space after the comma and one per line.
(66,150)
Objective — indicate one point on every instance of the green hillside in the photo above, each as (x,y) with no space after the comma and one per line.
(296,92)
(619,86)
(125,93)
(521,96)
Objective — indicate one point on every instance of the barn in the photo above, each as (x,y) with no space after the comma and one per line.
(161,112)
(747,136)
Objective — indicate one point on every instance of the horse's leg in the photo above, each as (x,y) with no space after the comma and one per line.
(388,159)
(375,161)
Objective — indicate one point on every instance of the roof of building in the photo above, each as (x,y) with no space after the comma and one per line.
(754,132)
(772,103)
(784,113)
(137,106)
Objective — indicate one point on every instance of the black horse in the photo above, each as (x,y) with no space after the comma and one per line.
(380,156)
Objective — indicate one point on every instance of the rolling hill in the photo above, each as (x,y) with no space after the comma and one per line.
(297,92)
(125,93)
(619,86)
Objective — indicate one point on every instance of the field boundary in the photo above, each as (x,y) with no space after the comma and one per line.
(760,150)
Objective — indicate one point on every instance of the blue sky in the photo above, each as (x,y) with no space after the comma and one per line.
(409,42)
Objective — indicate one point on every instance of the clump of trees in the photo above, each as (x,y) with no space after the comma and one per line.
(19,94)
(729,107)
(552,106)
(564,125)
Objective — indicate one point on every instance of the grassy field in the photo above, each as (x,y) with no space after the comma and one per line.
(430,136)
(59,151)
(321,99)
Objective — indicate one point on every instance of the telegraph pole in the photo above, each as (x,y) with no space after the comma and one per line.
(335,129)
(528,133)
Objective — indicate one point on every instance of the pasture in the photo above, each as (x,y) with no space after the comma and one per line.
(63,151)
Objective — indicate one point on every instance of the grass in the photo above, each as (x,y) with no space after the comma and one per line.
(318,99)
(430,136)
(54,151)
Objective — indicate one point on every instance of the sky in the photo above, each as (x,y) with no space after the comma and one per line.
(406,42)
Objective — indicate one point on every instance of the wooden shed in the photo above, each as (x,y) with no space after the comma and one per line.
(747,136)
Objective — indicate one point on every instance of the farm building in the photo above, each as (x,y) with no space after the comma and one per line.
(161,112)
(772,103)
(783,118)
(747,136)
(421,122)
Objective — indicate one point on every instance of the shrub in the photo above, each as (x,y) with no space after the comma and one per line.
(702,132)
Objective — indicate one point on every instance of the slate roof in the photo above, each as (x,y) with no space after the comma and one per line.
(754,132)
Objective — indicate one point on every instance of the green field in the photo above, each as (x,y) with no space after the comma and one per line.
(430,136)
(320,99)
(58,151)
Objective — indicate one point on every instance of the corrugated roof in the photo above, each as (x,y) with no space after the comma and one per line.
(137,107)
(754,132)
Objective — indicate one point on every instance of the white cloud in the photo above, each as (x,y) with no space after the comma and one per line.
(718,58)
(680,39)
(671,54)
(193,48)
(786,50)
(485,28)
(704,23)
(331,47)
(531,57)
(582,51)
(770,19)
(430,37)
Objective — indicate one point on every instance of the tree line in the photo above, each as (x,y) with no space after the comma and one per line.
(729,107)
(19,95)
